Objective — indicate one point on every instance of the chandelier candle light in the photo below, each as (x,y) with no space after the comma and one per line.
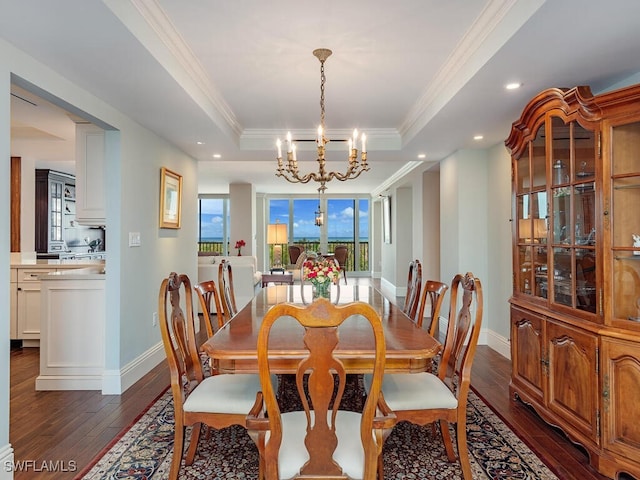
(291,173)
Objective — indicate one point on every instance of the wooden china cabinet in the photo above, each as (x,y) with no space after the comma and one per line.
(575,309)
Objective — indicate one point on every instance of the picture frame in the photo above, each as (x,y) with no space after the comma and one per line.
(386,218)
(170,198)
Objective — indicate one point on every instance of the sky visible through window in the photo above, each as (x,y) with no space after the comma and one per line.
(339,218)
(211,219)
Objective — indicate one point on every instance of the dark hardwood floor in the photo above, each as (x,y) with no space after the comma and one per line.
(69,429)
(65,430)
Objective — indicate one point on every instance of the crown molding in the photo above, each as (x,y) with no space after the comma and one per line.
(402,172)
(497,22)
(176,57)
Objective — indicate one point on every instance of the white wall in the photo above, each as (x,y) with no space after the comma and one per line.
(135,156)
(429,220)
(499,248)
(6,453)
(242,211)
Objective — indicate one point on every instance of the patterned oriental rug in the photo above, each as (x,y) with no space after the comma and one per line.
(410,452)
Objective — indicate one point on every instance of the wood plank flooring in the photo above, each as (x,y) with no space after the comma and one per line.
(71,428)
(66,427)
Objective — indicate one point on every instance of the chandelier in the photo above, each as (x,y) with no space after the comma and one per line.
(291,173)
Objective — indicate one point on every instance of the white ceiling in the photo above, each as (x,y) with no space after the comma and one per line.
(418,76)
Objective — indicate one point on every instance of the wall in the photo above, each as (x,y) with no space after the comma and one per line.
(6,452)
(499,249)
(134,158)
(429,235)
(464,213)
(242,207)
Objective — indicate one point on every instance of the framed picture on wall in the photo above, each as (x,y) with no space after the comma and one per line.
(170,198)
(386,219)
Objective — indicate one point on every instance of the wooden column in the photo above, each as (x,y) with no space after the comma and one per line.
(16,178)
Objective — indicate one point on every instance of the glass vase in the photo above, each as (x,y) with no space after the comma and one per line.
(322,290)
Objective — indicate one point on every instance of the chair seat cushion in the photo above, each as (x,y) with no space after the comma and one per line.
(414,391)
(224,393)
(293,454)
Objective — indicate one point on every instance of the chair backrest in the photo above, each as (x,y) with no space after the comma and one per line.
(294,253)
(340,254)
(178,335)
(463,330)
(414,285)
(432,294)
(320,380)
(209,297)
(225,285)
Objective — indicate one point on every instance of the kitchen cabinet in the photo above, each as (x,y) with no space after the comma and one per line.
(25,296)
(13,304)
(72,345)
(26,305)
(575,307)
(54,210)
(90,175)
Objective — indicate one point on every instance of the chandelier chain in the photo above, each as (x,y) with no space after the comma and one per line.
(355,167)
(323,79)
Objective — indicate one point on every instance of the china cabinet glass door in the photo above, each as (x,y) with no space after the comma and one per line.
(625,223)
(573,216)
(531,218)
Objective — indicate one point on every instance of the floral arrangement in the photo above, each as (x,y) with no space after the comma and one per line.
(321,271)
(239,245)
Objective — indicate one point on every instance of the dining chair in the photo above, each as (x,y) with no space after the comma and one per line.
(218,401)
(423,398)
(340,254)
(432,294)
(414,285)
(294,253)
(320,441)
(225,285)
(208,296)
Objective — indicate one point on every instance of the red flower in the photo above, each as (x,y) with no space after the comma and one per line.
(240,244)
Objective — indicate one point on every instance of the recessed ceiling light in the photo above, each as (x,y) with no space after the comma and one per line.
(478,137)
(422,155)
(217,155)
(513,86)
(199,143)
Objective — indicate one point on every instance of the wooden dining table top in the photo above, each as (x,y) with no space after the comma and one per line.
(233,348)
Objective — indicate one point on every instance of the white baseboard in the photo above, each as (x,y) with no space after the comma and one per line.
(496,342)
(389,290)
(69,382)
(6,462)
(115,382)
(500,344)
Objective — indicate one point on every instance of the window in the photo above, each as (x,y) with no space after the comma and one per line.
(213,234)
(346,223)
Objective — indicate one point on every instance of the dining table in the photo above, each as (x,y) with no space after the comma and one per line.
(233,348)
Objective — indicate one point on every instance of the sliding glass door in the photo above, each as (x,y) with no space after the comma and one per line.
(345,222)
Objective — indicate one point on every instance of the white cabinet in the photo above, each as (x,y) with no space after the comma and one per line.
(90,175)
(73,324)
(26,305)
(13,305)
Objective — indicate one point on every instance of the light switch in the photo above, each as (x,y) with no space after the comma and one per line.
(134,239)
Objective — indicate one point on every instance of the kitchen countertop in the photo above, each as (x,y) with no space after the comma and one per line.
(89,273)
(19,260)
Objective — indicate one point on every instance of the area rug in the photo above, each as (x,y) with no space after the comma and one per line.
(410,452)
